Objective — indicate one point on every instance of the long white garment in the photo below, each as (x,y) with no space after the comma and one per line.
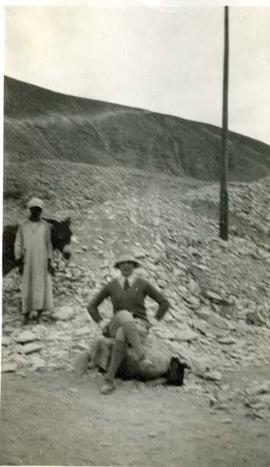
(33,244)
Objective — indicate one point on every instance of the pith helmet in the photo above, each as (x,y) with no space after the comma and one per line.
(124,257)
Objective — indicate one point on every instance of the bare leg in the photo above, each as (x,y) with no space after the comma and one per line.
(133,337)
(124,319)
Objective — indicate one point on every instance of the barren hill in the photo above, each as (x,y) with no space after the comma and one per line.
(41,124)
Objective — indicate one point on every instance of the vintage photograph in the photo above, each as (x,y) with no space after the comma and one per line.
(135,234)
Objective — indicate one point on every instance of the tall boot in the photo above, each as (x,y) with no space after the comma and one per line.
(118,353)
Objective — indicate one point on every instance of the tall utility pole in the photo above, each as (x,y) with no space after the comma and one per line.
(224,164)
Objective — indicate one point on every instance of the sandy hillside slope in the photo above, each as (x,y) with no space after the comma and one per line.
(41,124)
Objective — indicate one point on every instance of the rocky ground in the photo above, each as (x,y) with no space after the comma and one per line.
(219,321)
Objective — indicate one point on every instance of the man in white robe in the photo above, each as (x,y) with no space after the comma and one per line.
(33,254)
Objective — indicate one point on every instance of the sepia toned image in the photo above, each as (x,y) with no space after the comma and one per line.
(136,234)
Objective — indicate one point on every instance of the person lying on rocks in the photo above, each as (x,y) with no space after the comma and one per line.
(129,325)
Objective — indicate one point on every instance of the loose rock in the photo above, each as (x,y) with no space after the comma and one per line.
(8,368)
(32,347)
(263,388)
(213,375)
(26,336)
(64,313)
(227,340)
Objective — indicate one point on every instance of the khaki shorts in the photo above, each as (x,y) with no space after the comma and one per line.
(124,316)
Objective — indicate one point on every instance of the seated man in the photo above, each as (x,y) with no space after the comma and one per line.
(129,324)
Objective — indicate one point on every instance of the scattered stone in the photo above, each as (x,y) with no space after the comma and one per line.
(185,335)
(182,290)
(64,313)
(227,340)
(227,421)
(37,362)
(25,337)
(255,318)
(213,375)
(32,347)
(162,283)
(204,313)
(200,326)
(84,331)
(203,267)
(217,321)
(193,302)
(6,341)
(8,368)
(263,388)
(194,288)
(139,253)
(213,296)
(20,360)
(256,405)
(212,401)
(40,329)
(235,355)
(167,333)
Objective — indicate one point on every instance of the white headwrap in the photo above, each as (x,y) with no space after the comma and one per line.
(35,202)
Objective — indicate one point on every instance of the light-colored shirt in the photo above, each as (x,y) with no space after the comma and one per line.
(131,279)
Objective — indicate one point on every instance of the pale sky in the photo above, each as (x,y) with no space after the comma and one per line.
(161,58)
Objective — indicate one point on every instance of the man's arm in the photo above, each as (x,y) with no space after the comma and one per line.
(163,303)
(92,308)
(18,245)
(48,239)
(19,250)
(49,247)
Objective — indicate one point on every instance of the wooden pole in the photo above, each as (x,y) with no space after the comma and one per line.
(224,165)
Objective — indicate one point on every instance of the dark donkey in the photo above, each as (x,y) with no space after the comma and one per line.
(60,236)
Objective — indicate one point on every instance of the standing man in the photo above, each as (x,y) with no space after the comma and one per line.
(33,254)
(129,324)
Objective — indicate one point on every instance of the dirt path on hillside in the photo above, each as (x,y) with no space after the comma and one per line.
(53,419)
